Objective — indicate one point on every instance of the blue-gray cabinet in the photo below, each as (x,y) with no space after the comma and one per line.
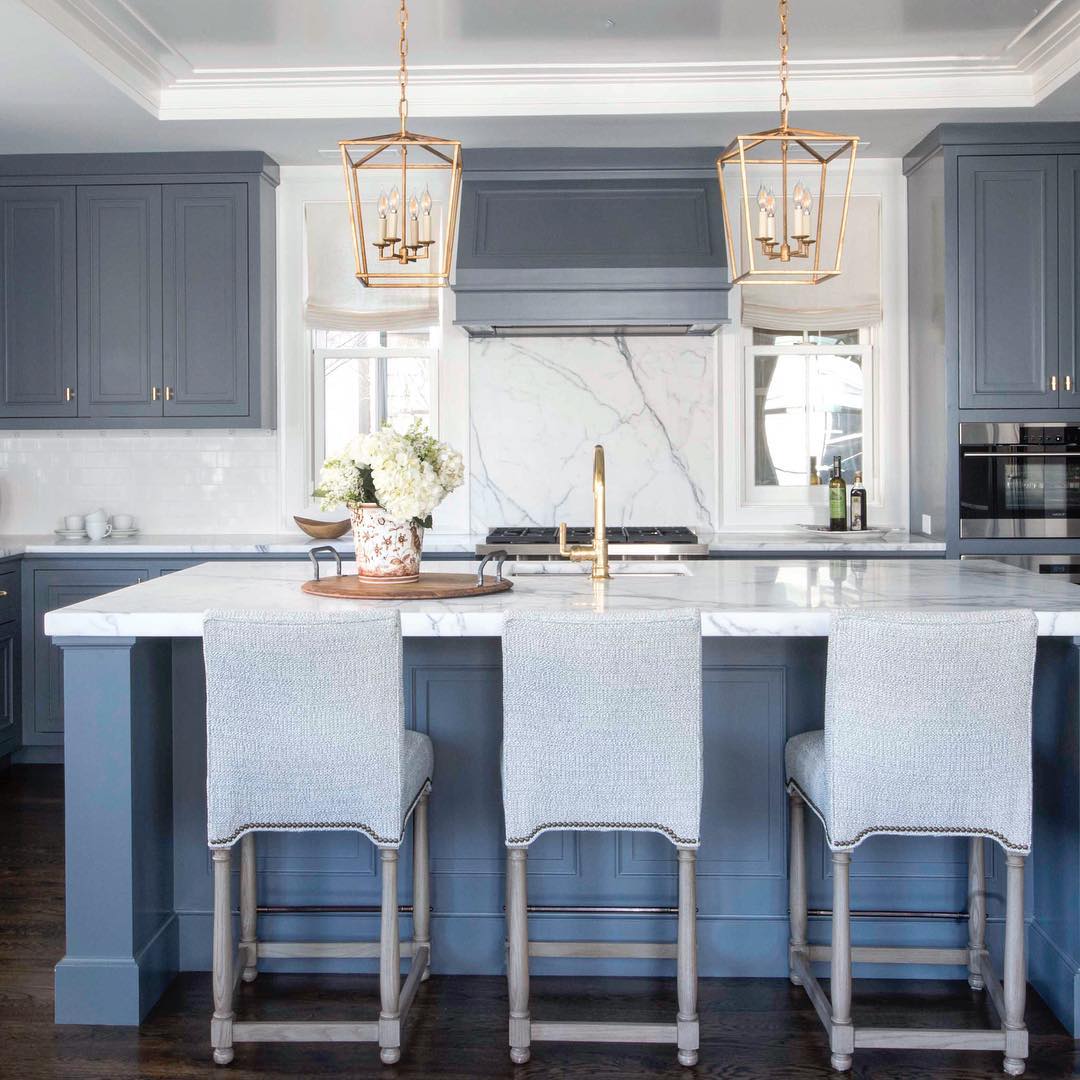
(10,728)
(206,300)
(137,290)
(120,301)
(1069,277)
(1008,285)
(37,302)
(43,686)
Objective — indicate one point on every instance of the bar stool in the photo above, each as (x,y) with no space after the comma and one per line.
(602,732)
(927,731)
(305,733)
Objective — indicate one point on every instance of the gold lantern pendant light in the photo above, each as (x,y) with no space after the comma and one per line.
(403,235)
(778,232)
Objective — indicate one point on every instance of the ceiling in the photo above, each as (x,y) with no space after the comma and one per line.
(291,77)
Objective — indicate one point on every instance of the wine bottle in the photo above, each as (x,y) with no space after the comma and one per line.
(837,499)
(858,504)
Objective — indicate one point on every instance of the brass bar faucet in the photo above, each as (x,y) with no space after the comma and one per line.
(597,551)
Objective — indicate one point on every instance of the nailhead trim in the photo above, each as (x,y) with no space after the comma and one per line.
(601,825)
(324,826)
(928,830)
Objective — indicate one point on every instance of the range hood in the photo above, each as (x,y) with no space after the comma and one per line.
(588,242)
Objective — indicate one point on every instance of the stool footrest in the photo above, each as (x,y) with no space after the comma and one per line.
(929,1038)
(334,949)
(631,950)
(305,1031)
(873,954)
(586,1031)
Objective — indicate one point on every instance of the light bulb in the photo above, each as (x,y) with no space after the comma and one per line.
(394,200)
(414,207)
(382,204)
(425,201)
(762,198)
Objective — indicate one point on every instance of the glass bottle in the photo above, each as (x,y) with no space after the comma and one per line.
(858,504)
(837,499)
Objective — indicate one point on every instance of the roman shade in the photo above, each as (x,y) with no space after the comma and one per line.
(334,299)
(849,300)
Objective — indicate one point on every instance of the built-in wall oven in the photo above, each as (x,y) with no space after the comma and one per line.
(1020,480)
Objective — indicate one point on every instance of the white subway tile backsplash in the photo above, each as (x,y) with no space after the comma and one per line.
(173,483)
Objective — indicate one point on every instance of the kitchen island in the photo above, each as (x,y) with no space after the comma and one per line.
(138,872)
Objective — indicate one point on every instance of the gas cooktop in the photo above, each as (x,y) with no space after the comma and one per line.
(624,541)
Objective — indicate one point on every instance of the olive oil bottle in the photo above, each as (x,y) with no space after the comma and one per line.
(858,505)
(837,499)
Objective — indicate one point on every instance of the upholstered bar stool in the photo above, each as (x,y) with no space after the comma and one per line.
(927,731)
(601,731)
(305,733)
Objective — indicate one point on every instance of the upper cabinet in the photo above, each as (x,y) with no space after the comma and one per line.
(140,294)
(1007,213)
(37,303)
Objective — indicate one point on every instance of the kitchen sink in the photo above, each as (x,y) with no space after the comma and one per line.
(625,569)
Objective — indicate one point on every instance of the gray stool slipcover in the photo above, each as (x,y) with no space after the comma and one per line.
(305,732)
(601,731)
(927,731)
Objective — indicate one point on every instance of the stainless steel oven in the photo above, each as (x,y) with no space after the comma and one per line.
(1059,567)
(1020,480)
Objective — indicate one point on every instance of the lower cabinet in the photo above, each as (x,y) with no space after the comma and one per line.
(9,712)
(43,689)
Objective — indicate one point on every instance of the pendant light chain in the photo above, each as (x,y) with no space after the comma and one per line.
(783,41)
(403,70)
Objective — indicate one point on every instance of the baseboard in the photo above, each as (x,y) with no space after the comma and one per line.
(1056,977)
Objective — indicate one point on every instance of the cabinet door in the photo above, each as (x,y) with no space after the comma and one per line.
(37,302)
(1069,279)
(1008,288)
(55,589)
(206,300)
(9,717)
(120,301)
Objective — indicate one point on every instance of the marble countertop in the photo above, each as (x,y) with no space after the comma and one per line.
(896,541)
(737,598)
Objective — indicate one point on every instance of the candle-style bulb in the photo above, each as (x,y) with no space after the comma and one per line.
(414,207)
(425,201)
(394,200)
(762,198)
(383,203)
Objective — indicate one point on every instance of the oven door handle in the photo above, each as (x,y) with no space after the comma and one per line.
(1019,453)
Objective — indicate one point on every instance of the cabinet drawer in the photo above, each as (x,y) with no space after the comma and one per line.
(9,595)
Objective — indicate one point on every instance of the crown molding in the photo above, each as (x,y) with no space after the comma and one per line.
(1042,57)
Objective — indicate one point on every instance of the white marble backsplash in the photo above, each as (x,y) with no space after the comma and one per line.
(538,406)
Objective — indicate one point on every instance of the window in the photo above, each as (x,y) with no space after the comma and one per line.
(365,378)
(809,398)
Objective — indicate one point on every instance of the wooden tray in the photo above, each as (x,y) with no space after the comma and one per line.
(429,587)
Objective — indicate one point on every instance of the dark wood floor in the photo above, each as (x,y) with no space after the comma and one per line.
(750,1028)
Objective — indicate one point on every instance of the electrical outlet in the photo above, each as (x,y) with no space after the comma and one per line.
(926,525)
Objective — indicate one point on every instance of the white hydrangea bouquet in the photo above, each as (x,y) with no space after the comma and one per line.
(390,482)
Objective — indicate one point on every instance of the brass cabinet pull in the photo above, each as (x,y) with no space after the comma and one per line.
(1053,382)
(155,393)
(1068,383)
(3,592)
(69,394)
(169,395)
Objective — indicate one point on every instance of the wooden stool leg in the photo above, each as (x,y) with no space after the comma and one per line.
(421,882)
(687,1021)
(389,962)
(248,937)
(1015,981)
(221,1034)
(517,963)
(797,882)
(842,1035)
(976,911)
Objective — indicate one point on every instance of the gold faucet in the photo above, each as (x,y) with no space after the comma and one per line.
(597,551)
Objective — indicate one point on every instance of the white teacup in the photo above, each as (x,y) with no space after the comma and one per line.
(96,515)
(97,530)
(123,522)
(74,523)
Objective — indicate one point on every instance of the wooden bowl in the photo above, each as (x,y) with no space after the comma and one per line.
(323,530)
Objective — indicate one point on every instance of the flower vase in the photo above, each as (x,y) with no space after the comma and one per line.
(386,550)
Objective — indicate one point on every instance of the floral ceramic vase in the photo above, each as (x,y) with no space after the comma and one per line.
(386,550)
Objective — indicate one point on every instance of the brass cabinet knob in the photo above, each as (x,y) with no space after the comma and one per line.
(3,592)
(69,393)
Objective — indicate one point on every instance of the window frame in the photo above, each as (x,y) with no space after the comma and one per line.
(317,355)
(778,497)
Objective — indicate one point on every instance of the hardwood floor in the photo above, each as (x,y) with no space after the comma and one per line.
(751,1029)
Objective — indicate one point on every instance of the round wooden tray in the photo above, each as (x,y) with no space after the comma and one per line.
(429,587)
